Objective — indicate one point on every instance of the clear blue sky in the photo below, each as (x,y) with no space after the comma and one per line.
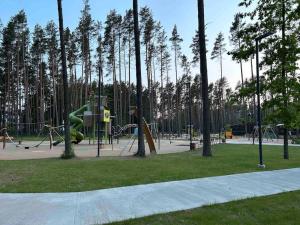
(219,15)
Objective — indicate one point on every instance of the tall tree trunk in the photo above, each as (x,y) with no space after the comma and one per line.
(243,99)
(149,84)
(177,95)
(120,82)
(141,144)
(125,88)
(18,103)
(89,88)
(37,97)
(41,97)
(26,92)
(115,80)
(284,79)
(161,93)
(129,76)
(153,90)
(68,147)
(203,68)
(222,106)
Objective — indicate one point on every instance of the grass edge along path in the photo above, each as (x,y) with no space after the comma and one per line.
(280,209)
(56,175)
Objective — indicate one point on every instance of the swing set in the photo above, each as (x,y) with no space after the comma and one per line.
(49,134)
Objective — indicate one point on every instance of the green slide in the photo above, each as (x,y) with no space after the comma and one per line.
(76,124)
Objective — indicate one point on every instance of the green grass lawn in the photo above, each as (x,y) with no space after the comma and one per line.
(56,175)
(282,209)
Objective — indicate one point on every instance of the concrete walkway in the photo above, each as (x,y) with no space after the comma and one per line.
(116,204)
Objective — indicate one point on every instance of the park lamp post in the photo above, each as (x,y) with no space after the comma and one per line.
(257,40)
(188,84)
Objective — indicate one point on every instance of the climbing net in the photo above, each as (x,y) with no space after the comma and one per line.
(118,130)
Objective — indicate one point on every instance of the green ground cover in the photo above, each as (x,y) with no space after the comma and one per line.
(56,175)
(282,209)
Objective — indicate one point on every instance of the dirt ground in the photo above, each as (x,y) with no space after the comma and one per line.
(86,150)
(125,147)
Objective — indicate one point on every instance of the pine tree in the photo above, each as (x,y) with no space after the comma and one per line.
(72,54)
(53,54)
(169,89)
(2,78)
(100,61)
(184,82)
(195,49)
(237,25)
(217,53)
(38,50)
(176,40)
(196,90)
(280,60)
(147,29)
(110,39)
(163,57)
(119,38)
(19,65)
(86,32)
(128,39)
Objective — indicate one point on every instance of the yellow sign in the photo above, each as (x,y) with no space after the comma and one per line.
(106,117)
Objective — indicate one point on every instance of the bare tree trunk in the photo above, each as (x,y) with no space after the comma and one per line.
(26,100)
(42,103)
(68,148)
(284,79)
(141,144)
(37,96)
(129,77)
(18,103)
(203,68)
(161,93)
(82,84)
(149,83)
(120,82)
(125,86)
(177,96)
(115,81)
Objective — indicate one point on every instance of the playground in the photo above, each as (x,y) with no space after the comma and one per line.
(86,150)
(94,133)
(149,112)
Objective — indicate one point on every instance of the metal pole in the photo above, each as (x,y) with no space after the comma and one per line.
(261,164)
(253,112)
(190,115)
(99,116)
